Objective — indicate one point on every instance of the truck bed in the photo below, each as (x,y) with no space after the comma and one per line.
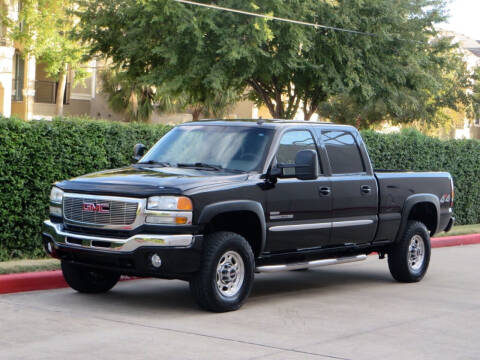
(396,187)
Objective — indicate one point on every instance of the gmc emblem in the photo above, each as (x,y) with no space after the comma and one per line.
(103,208)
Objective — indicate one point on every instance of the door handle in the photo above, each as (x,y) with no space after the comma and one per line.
(366,189)
(325,191)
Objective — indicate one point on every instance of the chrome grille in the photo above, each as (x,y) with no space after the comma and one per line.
(121,212)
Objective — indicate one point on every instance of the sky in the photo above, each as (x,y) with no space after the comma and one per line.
(464,18)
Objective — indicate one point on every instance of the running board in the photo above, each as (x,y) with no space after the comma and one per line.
(309,264)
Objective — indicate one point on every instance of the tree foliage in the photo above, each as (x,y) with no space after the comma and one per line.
(397,69)
(46,34)
(474,110)
(138,100)
(135,100)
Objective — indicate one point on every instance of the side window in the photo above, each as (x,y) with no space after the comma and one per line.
(343,152)
(290,144)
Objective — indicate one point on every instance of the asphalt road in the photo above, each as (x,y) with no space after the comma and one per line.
(351,311)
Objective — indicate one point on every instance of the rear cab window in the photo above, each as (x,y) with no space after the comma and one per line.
(343,152)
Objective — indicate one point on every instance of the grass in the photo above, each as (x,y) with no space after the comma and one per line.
(20,266)
(461,230)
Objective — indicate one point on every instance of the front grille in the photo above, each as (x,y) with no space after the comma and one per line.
(120,212)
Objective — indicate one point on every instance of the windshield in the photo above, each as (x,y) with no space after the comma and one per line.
(228,147)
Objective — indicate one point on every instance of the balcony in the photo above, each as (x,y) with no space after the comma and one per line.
(46,92)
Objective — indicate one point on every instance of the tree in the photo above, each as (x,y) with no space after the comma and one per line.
(156,43)
(46,34)
(138,100)
(442,91)
(125,95)
(393,63)
(474,110)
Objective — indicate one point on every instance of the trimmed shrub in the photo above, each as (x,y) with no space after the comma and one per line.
(33,155)
(413,151)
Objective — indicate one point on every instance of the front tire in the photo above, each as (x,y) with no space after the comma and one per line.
(88,280)
(226,274)
(408,259)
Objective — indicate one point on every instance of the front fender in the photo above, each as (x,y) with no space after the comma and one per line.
(212,210)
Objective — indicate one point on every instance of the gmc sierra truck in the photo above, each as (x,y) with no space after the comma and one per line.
(215,202)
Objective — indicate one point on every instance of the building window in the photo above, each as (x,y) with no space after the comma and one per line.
(17,86)
(476,122)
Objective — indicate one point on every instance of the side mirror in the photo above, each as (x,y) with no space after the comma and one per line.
(138,151)
(306,165)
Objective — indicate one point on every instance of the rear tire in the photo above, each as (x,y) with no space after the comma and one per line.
(225,278)
(88,280)
(408,259)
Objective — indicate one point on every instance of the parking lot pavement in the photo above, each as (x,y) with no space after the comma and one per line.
(351,311)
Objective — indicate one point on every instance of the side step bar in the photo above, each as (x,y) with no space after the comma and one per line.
(309,264)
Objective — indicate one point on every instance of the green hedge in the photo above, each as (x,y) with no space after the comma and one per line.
(413,151)
(35,154)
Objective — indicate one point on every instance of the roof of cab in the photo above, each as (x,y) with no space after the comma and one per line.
(269,123)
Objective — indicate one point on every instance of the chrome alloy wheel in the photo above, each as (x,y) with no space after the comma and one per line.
(230,274)
(416,253)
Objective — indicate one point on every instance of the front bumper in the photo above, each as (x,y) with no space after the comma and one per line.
(180,254)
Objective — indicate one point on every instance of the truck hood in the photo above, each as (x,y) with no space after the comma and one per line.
(136,181)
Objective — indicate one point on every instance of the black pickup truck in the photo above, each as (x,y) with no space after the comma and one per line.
(215,202)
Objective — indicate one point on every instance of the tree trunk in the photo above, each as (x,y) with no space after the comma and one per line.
(358,122)
(62,82)
(196,114)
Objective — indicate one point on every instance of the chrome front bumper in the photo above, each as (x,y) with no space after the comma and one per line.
(57,233)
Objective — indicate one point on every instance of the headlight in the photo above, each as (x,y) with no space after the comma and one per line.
(56,195)
(172,203)
(169,210)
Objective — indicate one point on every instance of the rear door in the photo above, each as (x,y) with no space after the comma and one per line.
(298,211)
(354,187)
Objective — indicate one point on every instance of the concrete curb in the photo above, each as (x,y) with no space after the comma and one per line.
(456,240)
(46,280)
(41,280)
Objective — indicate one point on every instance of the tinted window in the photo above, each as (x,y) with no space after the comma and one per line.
(291,143)
(343,152)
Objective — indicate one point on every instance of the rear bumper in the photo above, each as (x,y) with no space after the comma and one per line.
(180,254)
(450,224)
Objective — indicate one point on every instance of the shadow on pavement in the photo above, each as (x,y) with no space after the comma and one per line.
(171,295)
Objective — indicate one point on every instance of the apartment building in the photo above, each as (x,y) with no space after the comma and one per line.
(26,90)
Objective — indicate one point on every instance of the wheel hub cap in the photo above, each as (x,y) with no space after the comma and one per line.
(230,274)
(416,253)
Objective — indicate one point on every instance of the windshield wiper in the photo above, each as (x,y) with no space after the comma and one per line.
(153,162)
(201,165)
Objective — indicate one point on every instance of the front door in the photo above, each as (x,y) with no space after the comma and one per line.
(298,211)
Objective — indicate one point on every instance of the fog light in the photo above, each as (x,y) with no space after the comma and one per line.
(56,211)
(50,247)
(160,220)
(156,261)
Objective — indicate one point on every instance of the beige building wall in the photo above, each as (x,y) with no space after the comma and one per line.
(78,96)
(243,110)
(6,54)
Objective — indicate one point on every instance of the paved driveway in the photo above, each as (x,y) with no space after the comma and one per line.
(351,311)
